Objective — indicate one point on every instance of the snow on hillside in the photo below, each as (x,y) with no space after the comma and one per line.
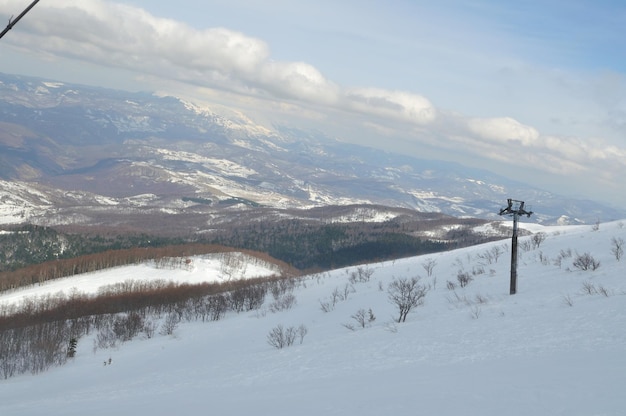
(218,267)
(557,347)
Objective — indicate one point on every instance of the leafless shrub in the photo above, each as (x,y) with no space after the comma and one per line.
(589,288)
(126,327)
(149,328)
(280,337)
(458,300)
(106,338)
(428,265)
(537,239)
(475,311)
(585,262)
(326,306)
(283,303)
(170,324)
(596,225)
(406,294)
(282,286)
(604,291)
(563,254)
(302,331)
(216,306)
(336,296)
(450,285)
(247,298)
(391,327)
(348,326)
(363,318)
(347,289)
(485,257)
(361,275)
(617,248)
(526,245)
(478,270)
(567,300)
(480,298)
(463,278)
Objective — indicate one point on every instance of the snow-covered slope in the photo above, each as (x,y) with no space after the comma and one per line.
(217,267)
(557,347)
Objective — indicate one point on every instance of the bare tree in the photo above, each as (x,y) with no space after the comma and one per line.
(496,252)
(617,248)
(537,239)
(406,294)
(170,324)
(428,265)
(302,331)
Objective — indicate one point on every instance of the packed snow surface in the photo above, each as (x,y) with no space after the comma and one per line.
(557,347)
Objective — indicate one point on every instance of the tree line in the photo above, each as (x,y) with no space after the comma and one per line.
(55,269)
(43,332)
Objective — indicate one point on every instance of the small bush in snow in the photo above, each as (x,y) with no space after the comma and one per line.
(170,324)
(537,239)
(429,265)
(281,337)
(585,262)
(567,300)
(283,303)
(591,289)
(149,328)
(475,311)
(617,248)
(361,275)
(463,278)
(363,318)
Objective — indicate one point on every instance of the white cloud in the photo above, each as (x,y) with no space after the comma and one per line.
(503,129)
(298,80)
(397,105)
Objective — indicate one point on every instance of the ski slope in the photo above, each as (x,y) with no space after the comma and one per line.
(551,349)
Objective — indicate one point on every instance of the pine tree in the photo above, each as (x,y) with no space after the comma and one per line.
(71,350)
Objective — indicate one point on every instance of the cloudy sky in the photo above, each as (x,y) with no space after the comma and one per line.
(532,89)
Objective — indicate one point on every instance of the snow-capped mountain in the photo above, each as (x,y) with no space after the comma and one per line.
(76,152)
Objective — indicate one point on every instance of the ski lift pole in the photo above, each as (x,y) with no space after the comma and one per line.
(12,21)
(514,208)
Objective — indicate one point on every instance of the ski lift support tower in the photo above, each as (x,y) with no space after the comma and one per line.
(514,208)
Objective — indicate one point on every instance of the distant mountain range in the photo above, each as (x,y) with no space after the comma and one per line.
(85,155)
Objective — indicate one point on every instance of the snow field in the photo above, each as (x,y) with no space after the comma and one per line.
(470,351)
